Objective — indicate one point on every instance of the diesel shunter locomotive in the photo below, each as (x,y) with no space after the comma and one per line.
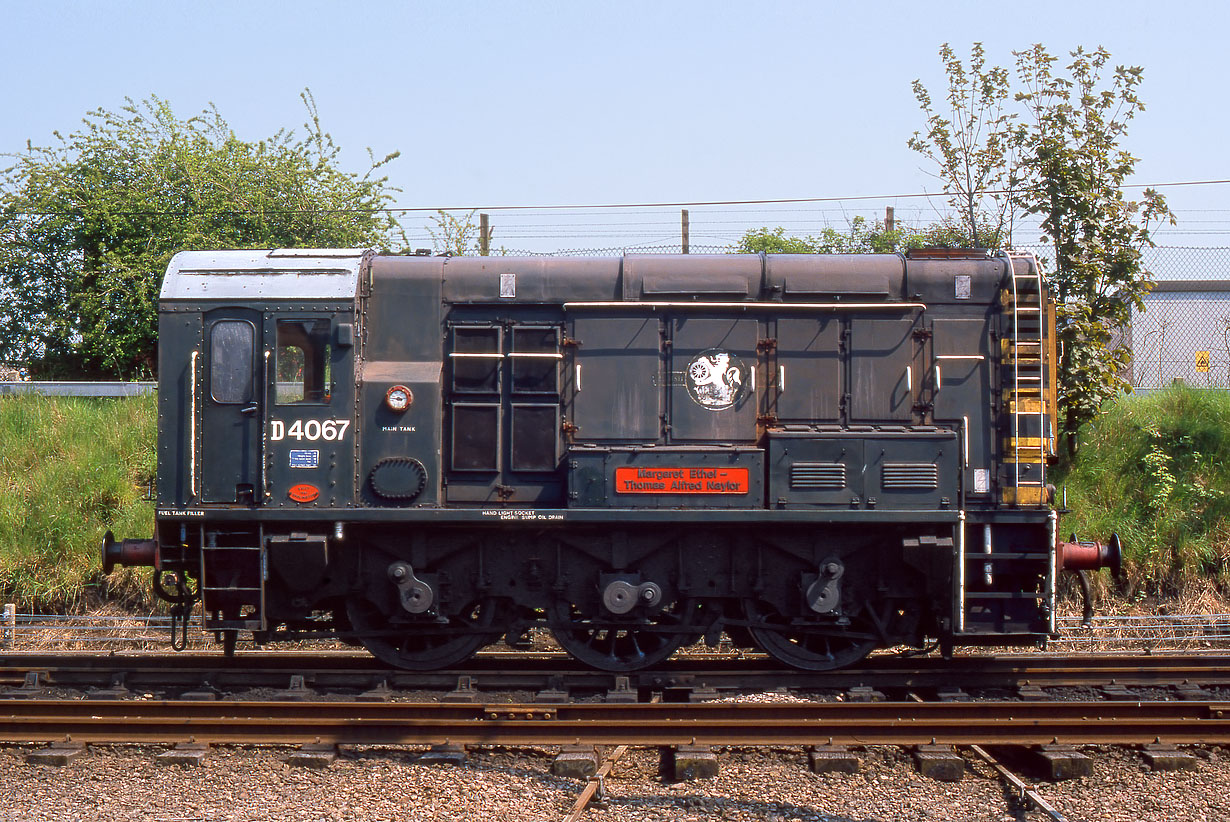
(815,455)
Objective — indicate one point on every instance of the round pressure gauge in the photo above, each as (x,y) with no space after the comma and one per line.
(398,398)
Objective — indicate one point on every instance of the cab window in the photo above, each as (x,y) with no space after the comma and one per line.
(230,361)
(303,355)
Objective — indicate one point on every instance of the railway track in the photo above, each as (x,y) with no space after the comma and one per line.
(662,724)
(339,672)
(325,713)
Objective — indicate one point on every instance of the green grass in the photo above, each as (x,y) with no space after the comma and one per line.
(70,469)
(1156,469)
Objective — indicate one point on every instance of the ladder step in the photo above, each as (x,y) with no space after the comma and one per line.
(1024,495)
(1023,442)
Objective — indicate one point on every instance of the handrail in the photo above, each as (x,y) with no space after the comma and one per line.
(265,428)
(192,425)
(760,306)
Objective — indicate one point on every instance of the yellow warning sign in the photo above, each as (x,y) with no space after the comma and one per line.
(1202,361)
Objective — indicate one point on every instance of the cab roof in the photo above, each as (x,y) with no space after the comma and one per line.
(297,273)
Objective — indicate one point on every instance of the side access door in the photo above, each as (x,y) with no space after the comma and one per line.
(231,402)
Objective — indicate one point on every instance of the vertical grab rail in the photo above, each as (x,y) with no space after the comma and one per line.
(959,571)
(1052,575)
(1043,391)
(264,412)
(960,574)
(192,425)
(1015,350)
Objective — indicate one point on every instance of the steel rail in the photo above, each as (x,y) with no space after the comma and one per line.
(595,785)
(1023,790)
(889,723)
(514,671)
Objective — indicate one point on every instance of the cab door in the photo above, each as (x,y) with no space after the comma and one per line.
(231,403)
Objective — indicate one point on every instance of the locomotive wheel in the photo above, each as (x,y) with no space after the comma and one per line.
(427,644)
(809,646)
(610,644)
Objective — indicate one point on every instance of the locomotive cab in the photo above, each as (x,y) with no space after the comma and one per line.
(256,401)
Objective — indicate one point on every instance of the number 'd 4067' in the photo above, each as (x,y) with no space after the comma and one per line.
(311,430)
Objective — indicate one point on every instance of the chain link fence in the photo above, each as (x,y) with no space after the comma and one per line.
(1183,334)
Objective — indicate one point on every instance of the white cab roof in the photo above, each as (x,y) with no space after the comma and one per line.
(284,273)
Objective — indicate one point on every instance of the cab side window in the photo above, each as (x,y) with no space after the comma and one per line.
(231,353)
(302,368)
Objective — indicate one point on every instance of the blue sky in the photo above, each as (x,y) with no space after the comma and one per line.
(541,103)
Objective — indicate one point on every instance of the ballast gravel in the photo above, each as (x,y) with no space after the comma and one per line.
(238,783)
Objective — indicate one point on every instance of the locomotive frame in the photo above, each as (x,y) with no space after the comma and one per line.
(817,455)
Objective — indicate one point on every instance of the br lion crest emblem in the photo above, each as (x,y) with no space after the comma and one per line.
(716,379)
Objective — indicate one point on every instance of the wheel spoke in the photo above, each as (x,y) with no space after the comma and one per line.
(427,645)
(799,647)
(626,646)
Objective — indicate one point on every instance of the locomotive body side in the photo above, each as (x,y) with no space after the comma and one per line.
(818,455)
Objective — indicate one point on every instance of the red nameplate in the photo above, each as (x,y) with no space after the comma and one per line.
(678,480)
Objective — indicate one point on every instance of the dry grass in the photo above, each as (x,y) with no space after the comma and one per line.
(107,626)
(1197,619)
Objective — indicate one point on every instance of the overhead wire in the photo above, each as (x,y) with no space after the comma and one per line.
(581,206)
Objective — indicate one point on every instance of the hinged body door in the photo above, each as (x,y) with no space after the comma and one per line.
(230,399)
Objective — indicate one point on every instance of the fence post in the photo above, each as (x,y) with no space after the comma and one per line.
(9,628)
(686,231)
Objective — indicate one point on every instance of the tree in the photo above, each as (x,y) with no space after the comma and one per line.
(1056,155)
(862,237)
(973,145)
(88,224)
(1076,170)
(775,241)
(459,236)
